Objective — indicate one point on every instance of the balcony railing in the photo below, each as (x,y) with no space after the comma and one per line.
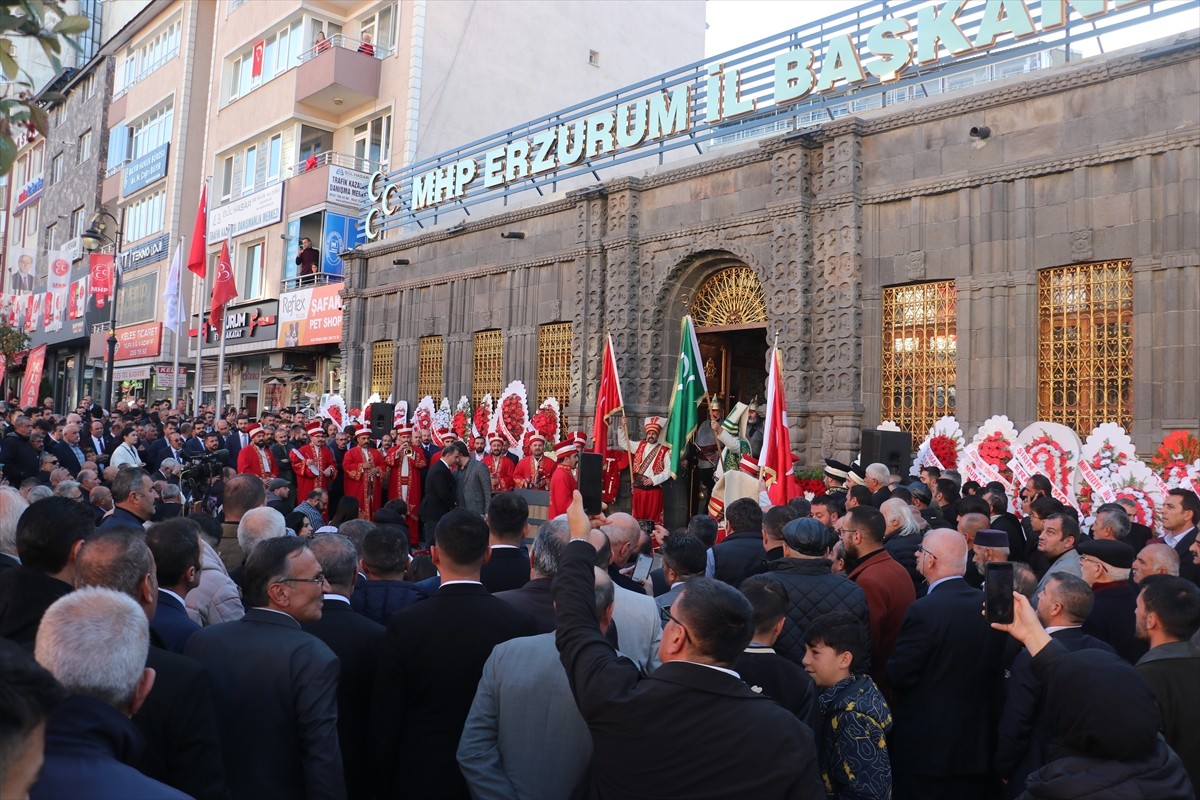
(336,159)
(347,43)
(304,281)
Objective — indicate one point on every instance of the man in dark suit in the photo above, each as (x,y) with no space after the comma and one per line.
(437,492)
(691,695)
(70,454)
(175,544)
(1180,514)
(1003,520)
(48,539)
(1064,603)
(508,566)
(177,719)
(944,671)
(356,641)
(534,597)
(276,686)
(741,553)
(433,656)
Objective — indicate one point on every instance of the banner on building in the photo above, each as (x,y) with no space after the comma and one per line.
(310,316)
(133,341)
(162,377)
(100,276)
(21,272)
(58,284)
(33,376)
(339,233)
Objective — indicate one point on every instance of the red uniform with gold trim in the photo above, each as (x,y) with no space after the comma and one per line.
(615,463)
(527,475)
(255,460)
(562,491)
(501,468)
(404,482)
(365,473)
(651,462)
(311,465)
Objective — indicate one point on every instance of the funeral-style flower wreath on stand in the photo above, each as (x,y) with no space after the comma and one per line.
(1054,450)
(513,416)
(482,420)
(1138,482)
(1177,460)
(945,441)
(1106,450)
(460,423)
(993,444)
(546,420)
(423,416)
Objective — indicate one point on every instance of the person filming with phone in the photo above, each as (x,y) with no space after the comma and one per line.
(308,258)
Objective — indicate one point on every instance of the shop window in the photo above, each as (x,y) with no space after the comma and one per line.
(489,365)
(920,349)
(431,355)
(1085,345)
(383,367)
(554,365)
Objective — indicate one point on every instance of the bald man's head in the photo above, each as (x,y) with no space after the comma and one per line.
(625,535)
(943,554)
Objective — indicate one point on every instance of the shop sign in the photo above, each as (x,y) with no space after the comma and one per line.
(146,253)
(121,374)
(247,213)
(338,233)
(311,316)
(133,341)
(162,377)
(31,191)
(347,187)
(257,322)
(145,170)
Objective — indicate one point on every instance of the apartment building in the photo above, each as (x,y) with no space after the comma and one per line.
(311,98)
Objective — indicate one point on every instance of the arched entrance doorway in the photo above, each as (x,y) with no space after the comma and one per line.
(729,309)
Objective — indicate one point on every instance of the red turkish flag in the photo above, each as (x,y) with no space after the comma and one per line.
(608,398)
(196,255)
(224,289)
(256,68)
(776,455)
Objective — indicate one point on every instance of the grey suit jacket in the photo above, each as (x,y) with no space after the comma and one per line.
(1067,562)
(639,628)
(665,600)
(524,709)
(473,487)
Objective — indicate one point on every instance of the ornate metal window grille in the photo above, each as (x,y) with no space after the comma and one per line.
(431,354)
(489,365)
(731,296)
(383,367)
(920,347)
(1085,345)
(555,342)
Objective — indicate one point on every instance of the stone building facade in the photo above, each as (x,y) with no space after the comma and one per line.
(1089,172)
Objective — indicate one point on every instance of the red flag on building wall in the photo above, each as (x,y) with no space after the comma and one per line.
(196,255)
(776,455)
(224,289)
(608,398)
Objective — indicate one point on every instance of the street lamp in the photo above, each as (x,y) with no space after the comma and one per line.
(93,239)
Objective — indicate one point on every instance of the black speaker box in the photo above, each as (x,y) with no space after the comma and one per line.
(893,448)
(382,416)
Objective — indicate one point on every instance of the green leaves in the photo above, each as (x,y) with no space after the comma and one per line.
(46,22)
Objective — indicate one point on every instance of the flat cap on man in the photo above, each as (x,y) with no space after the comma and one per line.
(1116,554)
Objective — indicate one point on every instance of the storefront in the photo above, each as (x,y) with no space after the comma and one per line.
(310,334)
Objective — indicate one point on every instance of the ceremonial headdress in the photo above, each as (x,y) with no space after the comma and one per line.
(836,469)
(362,430)
(495,437)
(857,474)
(749,465)
(253,430)
(314,427)
(735,422)
(564,449)
(655,424)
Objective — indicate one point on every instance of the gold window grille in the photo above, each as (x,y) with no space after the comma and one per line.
(431,354)
(555,342)
(489,365)
(732,296)
(1085,345)
(383,367)
(920,348)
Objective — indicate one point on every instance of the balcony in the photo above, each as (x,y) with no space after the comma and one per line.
(338,75)
(328,177)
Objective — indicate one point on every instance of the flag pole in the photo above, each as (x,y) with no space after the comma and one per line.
(178,320)
(201,284)
(628,451)
(221,339)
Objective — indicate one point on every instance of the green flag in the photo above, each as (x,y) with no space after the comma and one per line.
(686,395)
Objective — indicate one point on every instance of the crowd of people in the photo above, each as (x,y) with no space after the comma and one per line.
(217,606)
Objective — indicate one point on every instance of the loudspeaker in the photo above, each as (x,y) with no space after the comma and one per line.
(382,419)
(893,448)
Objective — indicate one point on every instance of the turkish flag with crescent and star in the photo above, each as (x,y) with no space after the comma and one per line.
(224,289)
(256,65)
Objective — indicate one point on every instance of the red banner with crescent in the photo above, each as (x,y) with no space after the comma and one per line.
(100,277)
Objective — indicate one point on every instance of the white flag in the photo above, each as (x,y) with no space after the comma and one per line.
(171,293)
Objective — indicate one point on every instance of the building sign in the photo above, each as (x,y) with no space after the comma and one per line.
(162,377)
(145,170)
(247,213)
(133,341)
(311,316)
(31,191)
(137,299)
(254,322)
(122,374)
(865,50)
(146,253)
(347,187)
(338,233)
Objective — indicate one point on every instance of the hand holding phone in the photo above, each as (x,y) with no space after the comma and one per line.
(642,570)
(998,597)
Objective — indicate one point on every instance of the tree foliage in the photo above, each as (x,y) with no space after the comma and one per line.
(47,23)
(12,340)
